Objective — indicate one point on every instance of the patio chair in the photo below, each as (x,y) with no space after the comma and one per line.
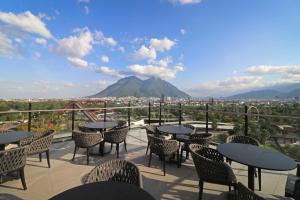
(292,186)
(12,160)
(86,140)
(116,136)
(210,167)
(203,139)
(42,145)
(245,140)
(115,170)
(163,148)
(35,136)
(150,130)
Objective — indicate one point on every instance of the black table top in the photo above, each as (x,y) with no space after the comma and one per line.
(175,129)
(257,157)
(14,136)
(104,190)
(101,125)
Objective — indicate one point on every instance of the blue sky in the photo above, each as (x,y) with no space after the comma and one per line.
(75,48)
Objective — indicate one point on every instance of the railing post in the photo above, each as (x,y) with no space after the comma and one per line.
(105,111)
(180,113)
(160,113)
(29,116)
(128,114)
(149,114)
(246,120)
(73,117)
(206,117)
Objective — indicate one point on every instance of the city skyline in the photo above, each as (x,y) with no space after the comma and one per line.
(204,47)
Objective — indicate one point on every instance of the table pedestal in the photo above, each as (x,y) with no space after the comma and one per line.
(251,174)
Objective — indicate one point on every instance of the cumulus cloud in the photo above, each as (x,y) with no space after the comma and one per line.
(41,41)
(144,53)
(104,58)
(270,69)
(185,2)
(110,72)
(26,21)
(7,48)
(101,39)
(78,62)
(161,45)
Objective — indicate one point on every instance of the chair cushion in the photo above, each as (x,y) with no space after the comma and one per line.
(290,183)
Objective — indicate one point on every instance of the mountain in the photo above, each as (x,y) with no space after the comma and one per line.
(133,86)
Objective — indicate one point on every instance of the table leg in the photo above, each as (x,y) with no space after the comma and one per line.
(2,147)
(251,172)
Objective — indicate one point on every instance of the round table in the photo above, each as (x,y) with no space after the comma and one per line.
(13,137)
(99,126)
(109,190)
(256,157)
(175,130)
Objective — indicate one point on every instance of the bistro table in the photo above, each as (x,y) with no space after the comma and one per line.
(110,190)
(13,137)
(174,130)
(100,126)
(256,157)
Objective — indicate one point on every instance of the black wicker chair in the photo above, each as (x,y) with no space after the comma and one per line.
(163,148)
(116,136)
(150,130)
(210,167)
(35,136)
(86,140)
(116,170)
(245,140)
(203,139)
(14,160)
(292,186)
(42,145)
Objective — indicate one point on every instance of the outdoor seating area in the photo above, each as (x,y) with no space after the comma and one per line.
(211,172)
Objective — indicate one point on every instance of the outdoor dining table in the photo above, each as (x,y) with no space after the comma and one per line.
(100,126)
(110,190)
(256,157)
(13,137)
(174,130)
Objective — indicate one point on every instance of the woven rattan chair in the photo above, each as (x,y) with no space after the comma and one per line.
(150,130)
(245,140)
(14,160)
(86,140)
(293,184)
(210,167)
(116,136)
(42,145)
(116,170)
(203,139)
(35,136)
(163,148)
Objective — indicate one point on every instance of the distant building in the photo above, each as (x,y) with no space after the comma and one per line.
(287,134)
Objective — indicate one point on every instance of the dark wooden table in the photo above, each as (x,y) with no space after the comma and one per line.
(100,126)
(107,190)
(13,137)
(175,130)
(256,157)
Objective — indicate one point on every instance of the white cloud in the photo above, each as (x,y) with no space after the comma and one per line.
(76,45)
(27,22)
(37,55)
(144,53)
(83,1)
(41,41)
(185,2)
(46,17)
(270,69)
(110,72)
(104,58)
(101,39)
(87,10)
(162,62)
(183,31)
(122,49)
(68,84)
(110,41)
(77,62)
(155,70)
(7,48)
(162,45)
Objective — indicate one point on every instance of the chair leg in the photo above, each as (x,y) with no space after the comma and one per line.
(117,148)
(22,174)
(200,189)
(147,147)
(48,158)
(40,156)
(75,149)
(111,146)
(259,178)
(178,160)
(187,154)
(164,164)
(150,159)
(125,145)
(181,154)
(87,156)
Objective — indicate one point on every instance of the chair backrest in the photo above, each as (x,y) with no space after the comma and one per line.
(13,159)
(203,139)
(42,144)
(35,136)
(86,139)
(116,170)
(162,146)
(116,135)
(242,139)
(244,193)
